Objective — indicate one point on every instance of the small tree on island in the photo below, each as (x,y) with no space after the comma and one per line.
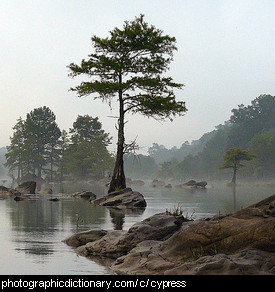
(233,158)
(129,65)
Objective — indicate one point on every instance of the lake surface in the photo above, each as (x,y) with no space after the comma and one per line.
(31,231)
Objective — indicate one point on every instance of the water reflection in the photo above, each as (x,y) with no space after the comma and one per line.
(39,248)
(234,192)
(118,216)
(34,221)
(233,188)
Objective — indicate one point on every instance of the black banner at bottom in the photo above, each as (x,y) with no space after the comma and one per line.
(159,283)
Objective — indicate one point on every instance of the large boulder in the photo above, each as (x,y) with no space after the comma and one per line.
(7,192)
(213,244)
(241,243)
(114,244)
(27,187)
(247,261)
(125,198)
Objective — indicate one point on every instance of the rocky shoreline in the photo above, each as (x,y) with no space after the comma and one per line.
(240,243)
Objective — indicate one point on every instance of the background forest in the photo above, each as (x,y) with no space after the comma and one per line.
(39,147)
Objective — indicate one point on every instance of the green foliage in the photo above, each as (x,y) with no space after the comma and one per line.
(86,155)
(34,142)
(234,156)
(139,53)
(247,121)
(129,64)
(15,150)
(39,147)
(263,146)
(89,129)
(177,211)
(251,128)
(42,134)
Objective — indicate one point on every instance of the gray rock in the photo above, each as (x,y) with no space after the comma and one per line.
(245,262)
(192,184)
(83,238)
(157,183)
(118,243)
(241,243)
(27,187)
(212,247)
(125,198)
(7,192)
(201,184)
(84,195)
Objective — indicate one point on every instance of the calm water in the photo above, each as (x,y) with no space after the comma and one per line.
(31,231)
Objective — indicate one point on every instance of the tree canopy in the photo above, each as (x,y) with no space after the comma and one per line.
(233,158)
(129,65)
(86,154)
(39,147)
(249,127)
(250,120)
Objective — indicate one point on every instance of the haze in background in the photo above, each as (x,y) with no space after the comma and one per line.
(225,57)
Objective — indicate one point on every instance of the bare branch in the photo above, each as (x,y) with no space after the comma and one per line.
(132,147)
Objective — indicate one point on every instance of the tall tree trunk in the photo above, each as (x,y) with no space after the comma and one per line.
(234,175)
(51,164)
(19,173)
(118,181)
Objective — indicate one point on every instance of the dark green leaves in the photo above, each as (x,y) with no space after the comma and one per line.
(234,156)
(129,63)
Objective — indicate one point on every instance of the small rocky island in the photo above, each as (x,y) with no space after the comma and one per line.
(240,243)
(126,198)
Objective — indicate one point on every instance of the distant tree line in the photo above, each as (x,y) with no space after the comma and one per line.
(250,128)
(39,147)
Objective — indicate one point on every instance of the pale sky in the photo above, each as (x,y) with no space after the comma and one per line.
(225,58)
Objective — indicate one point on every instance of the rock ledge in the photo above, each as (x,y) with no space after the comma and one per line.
(241,243)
